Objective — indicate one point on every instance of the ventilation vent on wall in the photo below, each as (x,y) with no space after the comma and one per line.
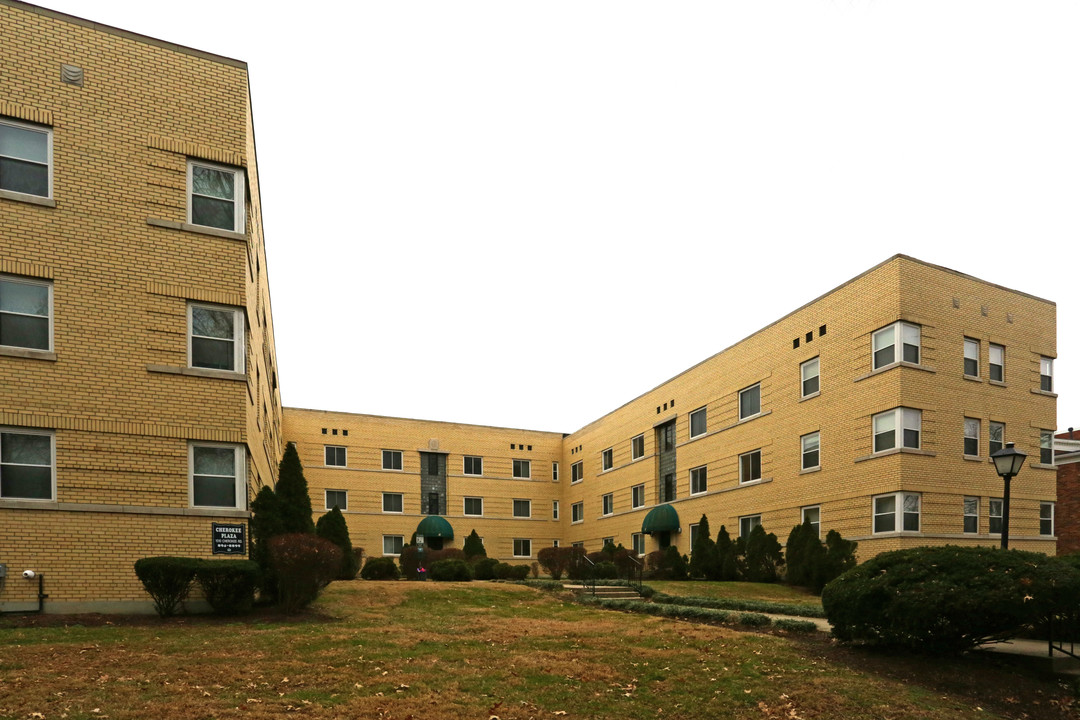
(71,75)
(433,444)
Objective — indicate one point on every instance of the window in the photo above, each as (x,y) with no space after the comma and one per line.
(25,159)
(522,469)
(813,514)
(667,488)
(473,465)
(637,447)
(391,459)
(747,524)
(637,496)
(432,464)
(1046,518)
(576,473)
(216,196)
(577,512)
(693,535)
(996,505)
(971,514)
(750,466)
(971,357)
(607,503)
(337,499)
(750,401)
(637,541)
(392,544)
(522,508)
(811,451)
(811,370)
(554,472)
(554,509)
(25,313)
(886,423)
(577,544)
(997,363)
(474,506)
(897,511)
(971,436)
(607,459)
(335,455)
(392,503)
(216,337)
(522,547)
(699,480)
(27,464)
(697,423)
(1046,374)
(997,436)
(1046,447)
(218,476)
(884,344)
(434,503)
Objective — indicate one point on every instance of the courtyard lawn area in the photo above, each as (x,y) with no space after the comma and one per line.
(769,592)
(398,650)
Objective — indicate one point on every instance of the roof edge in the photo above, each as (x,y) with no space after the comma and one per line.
(422,420)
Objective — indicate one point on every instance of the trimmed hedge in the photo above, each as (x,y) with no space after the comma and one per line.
(304,564)
(484,569)
(760,606)
(380,568)
(450,570)
(680,612)
(167,579)
(799,626)
(229,585)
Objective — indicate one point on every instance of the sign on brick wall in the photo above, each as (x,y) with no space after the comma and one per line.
(228,539)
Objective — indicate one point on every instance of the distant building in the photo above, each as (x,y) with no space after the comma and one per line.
(1067,518)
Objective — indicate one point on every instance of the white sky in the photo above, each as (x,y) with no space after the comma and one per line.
(527,214)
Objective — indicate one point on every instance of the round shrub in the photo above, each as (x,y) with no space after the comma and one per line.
(518,572)
(503,571)
(229,585)
(947,599)
(380,568)
(304,564)
(450,570)
(484,569)
(606,571)
(167,580)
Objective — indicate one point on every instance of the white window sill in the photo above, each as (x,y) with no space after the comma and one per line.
(28,199)
(197,372)
(890,366)
(807,471)
(973,378)
(29,353)
(1043,392)
(973,458)
(576,522)
(811,396)
(1043,466)
(202,230)
(755,481)
(998,383)
(896,451)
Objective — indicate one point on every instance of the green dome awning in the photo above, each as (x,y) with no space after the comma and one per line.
(434,526)
(661,518)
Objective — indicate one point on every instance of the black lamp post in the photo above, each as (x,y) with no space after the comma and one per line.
(1008,461)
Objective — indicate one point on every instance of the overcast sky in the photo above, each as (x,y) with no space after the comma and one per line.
(526,214)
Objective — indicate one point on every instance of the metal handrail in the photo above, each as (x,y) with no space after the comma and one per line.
(592,573)
(640,574)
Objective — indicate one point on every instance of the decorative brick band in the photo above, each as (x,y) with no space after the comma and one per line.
(191,293)
(116,427)
(28,269)
(191,149)
(25,112)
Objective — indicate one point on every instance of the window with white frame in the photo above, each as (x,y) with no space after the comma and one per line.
(554,472)
(750,466)
(637,447)
(26,313)
(995,515)
(391,459)
(576,472)
(971,514)
(554,509)
(472,465)
(604,542)
(215,196)
(607,459)
(637,496)
(885,340)
(637,542)
(577,512)
(697,423)
(971,357)
(522,508)
(997,436)
(906,422)
(1046,374)
(474,506)
(522,469)
(337,499)
(897,512)
(971,436)
(27,464)
(579,544)
(392,502)
(1046,518)
(811,450)
(997,363)
(554,543)
(811,380)
(218,475)
(694,529)
(747,523)
(215,337)
(522,547)
(812,514)
(699,480)
(334,456)
(607,504)
(1046,447)
(25,158)
(750,402)
(392,544)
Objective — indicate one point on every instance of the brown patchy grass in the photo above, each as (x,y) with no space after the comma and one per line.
(770,592)
(396,651)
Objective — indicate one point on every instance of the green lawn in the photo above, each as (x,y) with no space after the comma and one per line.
(398,650)
(771,592)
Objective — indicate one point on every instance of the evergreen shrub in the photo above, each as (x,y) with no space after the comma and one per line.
(229,585)
(380,568)
(167,580)
(333,527)
(484,569)
(450,570)
(304,564)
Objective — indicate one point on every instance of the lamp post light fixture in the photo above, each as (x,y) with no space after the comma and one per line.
(1008,462)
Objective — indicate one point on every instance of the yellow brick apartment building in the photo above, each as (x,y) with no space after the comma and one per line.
(139,400)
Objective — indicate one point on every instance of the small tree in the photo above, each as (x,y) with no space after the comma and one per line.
(554,561)
(763,556)
(804,554)
(292,493)
(304,565)
(726,557)
(333,527)
(703,559)
(474,547)
(266,523)
(837,558)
